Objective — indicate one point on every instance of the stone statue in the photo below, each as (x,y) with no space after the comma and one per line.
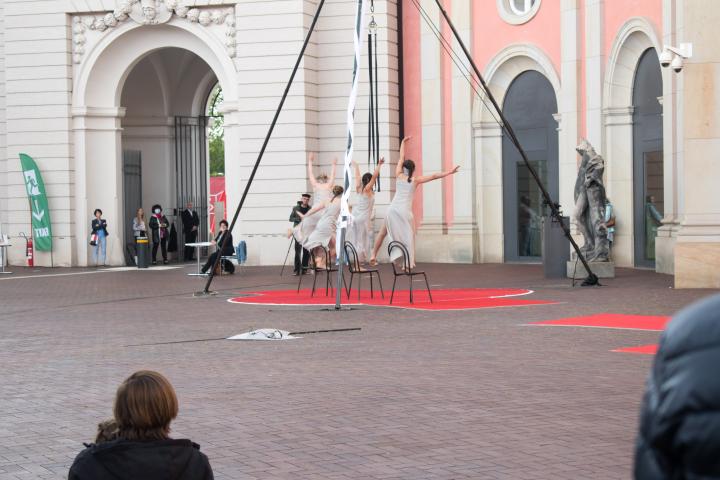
(589,212)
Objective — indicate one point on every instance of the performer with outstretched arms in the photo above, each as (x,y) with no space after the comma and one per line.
(359,233)
(324,232)
(399,221)
(322,191)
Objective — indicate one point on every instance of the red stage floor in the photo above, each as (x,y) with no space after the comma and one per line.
(443,299)
(642,349)
(611,320)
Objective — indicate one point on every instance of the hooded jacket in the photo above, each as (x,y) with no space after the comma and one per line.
(152,460)
(679,436)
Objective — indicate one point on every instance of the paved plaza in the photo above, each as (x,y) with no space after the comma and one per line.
(413,395)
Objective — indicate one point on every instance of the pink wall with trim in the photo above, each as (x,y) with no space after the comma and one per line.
(491,33)
(619,12)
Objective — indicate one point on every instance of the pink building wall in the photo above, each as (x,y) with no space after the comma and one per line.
(617,13)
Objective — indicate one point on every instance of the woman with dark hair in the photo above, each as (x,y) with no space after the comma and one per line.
(322,192)
(99,230)
(399,221)
(159,226)
(324,232)
(145,404)
(228,248)
(360,230)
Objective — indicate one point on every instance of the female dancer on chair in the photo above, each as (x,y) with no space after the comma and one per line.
(399,221)
(361,228)
(322,191)
(324,232)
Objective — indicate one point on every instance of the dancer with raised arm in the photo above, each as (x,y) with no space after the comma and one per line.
(399,221)
(359,233)
(324,232)
(322,191)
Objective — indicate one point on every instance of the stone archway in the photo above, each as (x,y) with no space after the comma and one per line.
(634,38)
(98,112)
(487,137)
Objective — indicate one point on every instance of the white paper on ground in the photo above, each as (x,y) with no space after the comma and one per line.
(264,334)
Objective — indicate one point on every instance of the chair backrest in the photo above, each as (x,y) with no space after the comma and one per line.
(404,254)
(353,260)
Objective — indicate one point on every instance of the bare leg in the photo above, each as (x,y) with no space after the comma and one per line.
(378,243)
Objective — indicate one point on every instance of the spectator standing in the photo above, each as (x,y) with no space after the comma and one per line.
(139,225)
(145,404)
(99,229)
(190,223)
(159,226)
(302,256)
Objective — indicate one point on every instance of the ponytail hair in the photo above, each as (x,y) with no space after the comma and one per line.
(409,166)
(337,191)
(366,179)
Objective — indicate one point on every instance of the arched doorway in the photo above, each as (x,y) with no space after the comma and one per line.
(164,139)
(529,106)
(114,109)
(648,191)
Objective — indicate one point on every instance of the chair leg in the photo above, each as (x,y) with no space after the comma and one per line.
(347,289)
(411,288)
(371,286)
(393,290)
(428,287)
(299,282)
(312,294)
(327,282)
(381,287)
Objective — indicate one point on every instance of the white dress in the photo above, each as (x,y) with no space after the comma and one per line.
(400,221)
(302,230)
(325,228)
(360,231)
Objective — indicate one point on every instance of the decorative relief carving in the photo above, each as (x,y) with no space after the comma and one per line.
(153,12)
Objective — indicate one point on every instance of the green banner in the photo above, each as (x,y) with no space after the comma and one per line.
(42,232)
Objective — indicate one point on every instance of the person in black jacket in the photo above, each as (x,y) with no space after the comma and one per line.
(679,437)
(145,404)
(159,226)
(302,256)
(190,223)
(228,248)
(100,233)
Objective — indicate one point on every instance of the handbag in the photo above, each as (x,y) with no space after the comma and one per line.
(93,239)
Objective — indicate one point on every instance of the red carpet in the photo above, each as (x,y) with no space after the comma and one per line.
(444,299)
(642,349)
(612,320)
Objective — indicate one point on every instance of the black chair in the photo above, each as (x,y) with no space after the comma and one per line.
(328,270)
(353,262)
(406,270)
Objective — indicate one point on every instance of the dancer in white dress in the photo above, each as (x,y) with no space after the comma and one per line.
(322,190)
(399,221)
(323,235)
(360,231)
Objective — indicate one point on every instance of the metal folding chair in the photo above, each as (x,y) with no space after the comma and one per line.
(353,261)
(406,270)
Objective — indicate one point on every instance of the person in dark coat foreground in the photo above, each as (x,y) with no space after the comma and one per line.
(145,405)
(679,436)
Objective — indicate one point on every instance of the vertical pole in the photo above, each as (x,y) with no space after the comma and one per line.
(344,208)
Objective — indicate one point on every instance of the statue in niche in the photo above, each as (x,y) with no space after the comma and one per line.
(590,199)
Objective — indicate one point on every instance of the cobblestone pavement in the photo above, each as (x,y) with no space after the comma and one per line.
(413,395)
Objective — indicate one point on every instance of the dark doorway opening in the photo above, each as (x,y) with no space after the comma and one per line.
(529,106)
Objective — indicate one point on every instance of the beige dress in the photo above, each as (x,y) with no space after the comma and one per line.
(360,231)
(304,229)
(326,227)
(400,221)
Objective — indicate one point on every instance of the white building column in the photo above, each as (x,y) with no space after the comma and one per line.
(619,180)
(98,179)
(697,251)
(594,70)
(487,138)
(568,102)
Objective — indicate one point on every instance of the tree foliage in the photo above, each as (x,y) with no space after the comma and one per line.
(216,134)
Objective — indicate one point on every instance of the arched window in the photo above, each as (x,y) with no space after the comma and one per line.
(517,12)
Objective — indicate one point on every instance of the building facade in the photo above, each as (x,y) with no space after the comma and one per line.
(109,97)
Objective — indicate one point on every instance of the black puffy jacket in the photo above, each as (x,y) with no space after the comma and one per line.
(679,436)
(154,460)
